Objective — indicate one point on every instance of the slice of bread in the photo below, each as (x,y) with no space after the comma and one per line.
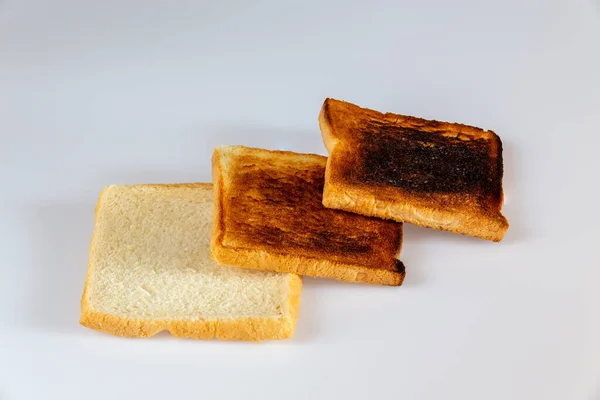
(269,215)
(150,270)
(435,174)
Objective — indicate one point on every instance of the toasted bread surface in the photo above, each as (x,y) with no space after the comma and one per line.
(150,270)
(269,215)
(435,174)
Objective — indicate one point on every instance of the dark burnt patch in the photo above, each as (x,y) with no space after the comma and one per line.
(400,267)
(283,211)
(426,162)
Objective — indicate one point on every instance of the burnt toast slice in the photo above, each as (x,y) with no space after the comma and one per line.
(435,174)
(269,215)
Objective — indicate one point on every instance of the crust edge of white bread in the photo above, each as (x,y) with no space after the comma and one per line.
(246,329)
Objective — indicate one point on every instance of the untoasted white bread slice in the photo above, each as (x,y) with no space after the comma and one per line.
(435,174)
(150,270)
(269,215)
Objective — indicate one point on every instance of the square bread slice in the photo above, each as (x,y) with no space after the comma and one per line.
(435,174)
(150,270)
(269,215)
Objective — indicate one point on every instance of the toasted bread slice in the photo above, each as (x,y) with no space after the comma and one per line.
(150,270)
(269,215)
(435,174)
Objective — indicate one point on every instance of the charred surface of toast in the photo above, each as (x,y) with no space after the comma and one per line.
(400,267)
(280,210)
(427,161)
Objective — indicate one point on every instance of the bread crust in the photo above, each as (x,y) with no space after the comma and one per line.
(469,208)
(263,260)
(295,260)
(246,329)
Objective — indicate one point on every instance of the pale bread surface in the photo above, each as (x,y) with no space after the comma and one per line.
(150,270)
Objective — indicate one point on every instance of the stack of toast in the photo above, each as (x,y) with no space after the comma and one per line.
(224,260)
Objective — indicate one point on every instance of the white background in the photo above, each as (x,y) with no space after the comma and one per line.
(100,92)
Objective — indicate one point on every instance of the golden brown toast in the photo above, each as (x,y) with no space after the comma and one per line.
(435,174)
(269,215)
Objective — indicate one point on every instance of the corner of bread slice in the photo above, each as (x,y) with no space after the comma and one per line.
(333,118)
(326,123)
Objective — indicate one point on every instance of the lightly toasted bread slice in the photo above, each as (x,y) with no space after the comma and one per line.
(435,174)
(150,270)
(269,215)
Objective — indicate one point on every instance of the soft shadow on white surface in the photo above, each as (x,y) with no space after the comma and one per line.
(360,289)
(419,248)
(415,276)
(60,240)
(514,204)
(307,327)
(415,234)
(270,138)
(155,175)
(595,394)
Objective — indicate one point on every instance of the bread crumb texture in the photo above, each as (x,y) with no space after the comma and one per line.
(270,216)
(150,270)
